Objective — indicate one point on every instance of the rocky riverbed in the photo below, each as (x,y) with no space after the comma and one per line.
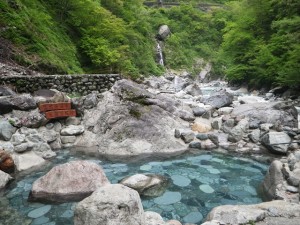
(157,117)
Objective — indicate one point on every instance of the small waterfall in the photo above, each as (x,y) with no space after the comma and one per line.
(159,54)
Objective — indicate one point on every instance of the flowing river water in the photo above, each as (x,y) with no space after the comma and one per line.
(198,183)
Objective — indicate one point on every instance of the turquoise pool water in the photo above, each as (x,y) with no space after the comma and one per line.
(197,184)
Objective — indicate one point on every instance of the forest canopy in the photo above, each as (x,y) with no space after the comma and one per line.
(247,41)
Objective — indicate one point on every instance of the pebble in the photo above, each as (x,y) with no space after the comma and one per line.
(36,213)
(206,188)
(145,167)
(193,217)
(180,181)
(168,198)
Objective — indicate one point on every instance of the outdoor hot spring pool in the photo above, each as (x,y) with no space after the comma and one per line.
(197,184)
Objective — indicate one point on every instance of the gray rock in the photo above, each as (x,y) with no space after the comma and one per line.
(4,179)
(266,126)
(17,138)
(90,101)
(72,130)
(255,135)
(187,137)
(180,83)
(225,110)
(227,125)
(67,139)
(7,146)
(273,112)
(258,214)
(219,99)
(216,123)
(153,218)
(185,115)
(31,119)
(199,111)
(163,32)
(6,130)
(202,137)
(55,145)
(27,160)
(19,102)
(276,142)
(22,147)
(193,89)
(237,133)
(146,184)
(71,181)
(72,121)
(127,124)
(273,179)
(195,144)
(111,205)
(208,145)
(6,91)
(48,135)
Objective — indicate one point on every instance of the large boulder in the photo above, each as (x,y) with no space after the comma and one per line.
(19,102)
(276,142)
(274,112)
(71,181)
(6,130)
(163,32)
(258,214)
(129,122)
(146,184)
(113,204)
(219,99)
(273,181)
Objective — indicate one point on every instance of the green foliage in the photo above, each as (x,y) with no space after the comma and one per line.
(262,41)
(38,37)
(115,36)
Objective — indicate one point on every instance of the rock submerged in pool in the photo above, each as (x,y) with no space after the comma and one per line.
(72,181)
(146,184)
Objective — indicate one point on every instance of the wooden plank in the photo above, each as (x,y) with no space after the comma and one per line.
(60,113)
(44,107)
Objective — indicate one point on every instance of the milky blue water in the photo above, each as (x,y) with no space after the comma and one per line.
(197,184)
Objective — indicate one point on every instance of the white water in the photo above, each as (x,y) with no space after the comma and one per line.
(159,52)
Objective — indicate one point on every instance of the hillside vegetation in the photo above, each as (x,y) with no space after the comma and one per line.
(248,41)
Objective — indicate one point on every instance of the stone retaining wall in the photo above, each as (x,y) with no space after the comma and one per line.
(81,84)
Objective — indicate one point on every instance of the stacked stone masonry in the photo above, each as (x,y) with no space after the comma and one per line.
(81,84)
